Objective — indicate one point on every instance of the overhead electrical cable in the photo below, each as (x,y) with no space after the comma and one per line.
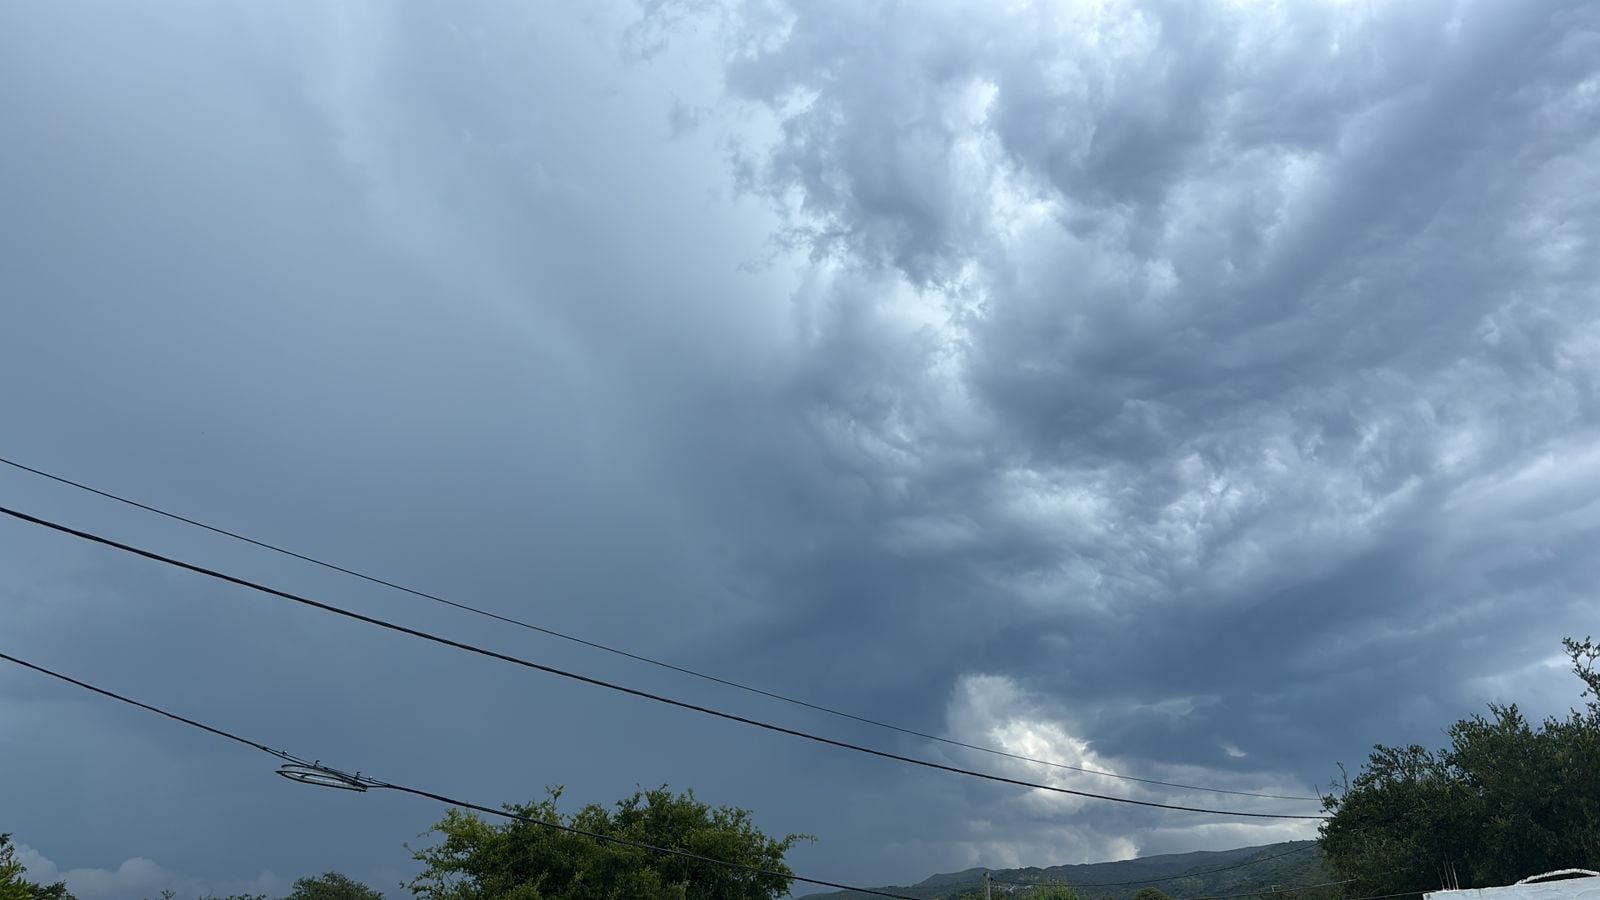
(612,686)
(596,645)
(375,784)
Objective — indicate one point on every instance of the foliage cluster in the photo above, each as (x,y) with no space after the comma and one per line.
(1506,799)
(14,887)
(478,860)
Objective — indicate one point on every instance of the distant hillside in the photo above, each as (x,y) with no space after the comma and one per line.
(1214,872)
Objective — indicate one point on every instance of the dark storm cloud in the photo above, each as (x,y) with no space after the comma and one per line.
(1201,337)
(1202,391)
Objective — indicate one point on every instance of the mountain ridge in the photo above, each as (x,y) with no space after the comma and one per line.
(1289,864)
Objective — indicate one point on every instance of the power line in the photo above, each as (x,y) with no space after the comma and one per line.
(1190,874)
(629,655)
(597,682)
(384,785)
(281,754)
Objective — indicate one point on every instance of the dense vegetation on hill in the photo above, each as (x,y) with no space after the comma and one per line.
(1178,875)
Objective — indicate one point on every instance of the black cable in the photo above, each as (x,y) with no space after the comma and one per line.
(1191,874)
(681,704)
(624,653)
(383,785)
(281,754)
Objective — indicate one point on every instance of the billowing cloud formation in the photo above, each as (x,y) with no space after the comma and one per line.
(1198,390)
(1238,338)
(1045,825)
(1221,311)
(137,878)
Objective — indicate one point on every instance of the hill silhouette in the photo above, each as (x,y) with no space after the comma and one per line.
(1267,868)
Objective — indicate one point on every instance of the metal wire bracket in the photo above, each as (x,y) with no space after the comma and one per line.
(318,775)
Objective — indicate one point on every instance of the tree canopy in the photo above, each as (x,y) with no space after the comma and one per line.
(1505,800)
(331,886)
(14,887)
(478,860)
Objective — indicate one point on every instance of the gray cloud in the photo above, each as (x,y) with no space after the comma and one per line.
(1184,331)
(138,876)
(1203,391)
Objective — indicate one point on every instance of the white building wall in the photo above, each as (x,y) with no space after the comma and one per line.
(1568,889)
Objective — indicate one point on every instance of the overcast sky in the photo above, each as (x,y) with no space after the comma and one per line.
(1200,390)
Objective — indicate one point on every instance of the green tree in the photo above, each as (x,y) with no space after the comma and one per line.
(1503,801)
(12,884)
(477,860)
(1150,893)
(332,886)
(1585,655)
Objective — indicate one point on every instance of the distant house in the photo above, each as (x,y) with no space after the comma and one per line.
(1564,884)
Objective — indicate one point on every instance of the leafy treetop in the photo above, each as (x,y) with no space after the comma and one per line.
(332,886)
(14,887)
(477,860)
(1505,800)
